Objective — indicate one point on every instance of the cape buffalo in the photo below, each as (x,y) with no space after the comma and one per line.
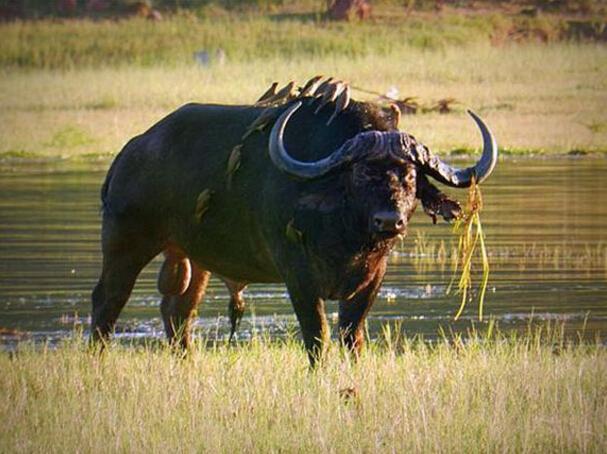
(306,187)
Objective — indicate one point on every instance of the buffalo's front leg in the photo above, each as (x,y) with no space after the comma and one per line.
(352,313)
(182,284)
(310,312)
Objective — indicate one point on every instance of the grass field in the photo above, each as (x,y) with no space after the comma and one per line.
(82,88)
(536,98)
(534,393)
(74,44)
(290,32)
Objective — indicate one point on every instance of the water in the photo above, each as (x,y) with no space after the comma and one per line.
(545,221)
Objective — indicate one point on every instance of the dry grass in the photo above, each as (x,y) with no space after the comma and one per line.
(471,252)
(531,394)
(540,98)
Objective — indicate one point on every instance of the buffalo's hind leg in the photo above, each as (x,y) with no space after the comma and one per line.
(237,304)
(182,284)
(126,250)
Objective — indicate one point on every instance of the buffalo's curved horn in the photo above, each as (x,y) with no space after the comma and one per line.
(375,144)
(396,114)
(286,163)
(459,178)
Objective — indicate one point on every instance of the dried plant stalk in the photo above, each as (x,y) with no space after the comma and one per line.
(470,232)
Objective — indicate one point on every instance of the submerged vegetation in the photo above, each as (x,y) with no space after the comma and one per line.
(428,255)
(534,392)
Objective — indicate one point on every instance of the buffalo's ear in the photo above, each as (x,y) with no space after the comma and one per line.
(435,202)
(449,209)
(444,207)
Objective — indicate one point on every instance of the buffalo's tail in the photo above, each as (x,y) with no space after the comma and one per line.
(105,187)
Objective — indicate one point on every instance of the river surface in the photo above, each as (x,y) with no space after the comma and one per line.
(546,231)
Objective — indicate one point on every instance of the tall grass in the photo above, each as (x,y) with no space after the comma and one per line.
(85,43)
(74,44)
(535,393)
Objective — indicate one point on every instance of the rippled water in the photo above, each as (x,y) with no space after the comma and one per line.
(545,221)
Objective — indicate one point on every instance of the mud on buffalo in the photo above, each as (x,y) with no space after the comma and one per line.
(307,187)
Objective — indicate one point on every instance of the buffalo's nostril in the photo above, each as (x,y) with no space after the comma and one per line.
(388,222)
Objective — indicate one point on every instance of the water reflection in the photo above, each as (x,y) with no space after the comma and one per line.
(545,223)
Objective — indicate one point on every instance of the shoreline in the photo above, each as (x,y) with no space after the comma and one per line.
(27,158)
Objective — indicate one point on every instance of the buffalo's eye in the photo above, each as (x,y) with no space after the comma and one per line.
(364,175)
(393,176)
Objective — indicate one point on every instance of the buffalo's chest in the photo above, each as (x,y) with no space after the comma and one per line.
(354,276)
(341,263)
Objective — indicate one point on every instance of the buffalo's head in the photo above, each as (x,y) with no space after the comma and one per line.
(384,169)
(381,196)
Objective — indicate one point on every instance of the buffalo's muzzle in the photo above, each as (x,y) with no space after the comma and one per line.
(388,222)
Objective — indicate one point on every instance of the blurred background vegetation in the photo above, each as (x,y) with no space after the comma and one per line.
(91,73)
(94,33)
(41,8)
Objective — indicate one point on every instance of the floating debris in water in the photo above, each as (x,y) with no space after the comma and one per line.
(6,333)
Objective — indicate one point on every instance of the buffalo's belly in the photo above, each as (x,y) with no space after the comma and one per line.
(241,272)
(233,258)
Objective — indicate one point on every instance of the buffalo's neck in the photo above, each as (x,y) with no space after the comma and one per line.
(345,258)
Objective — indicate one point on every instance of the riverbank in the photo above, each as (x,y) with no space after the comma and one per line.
(531,393)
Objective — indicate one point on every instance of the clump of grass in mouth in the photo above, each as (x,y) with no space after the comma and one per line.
(471,238)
